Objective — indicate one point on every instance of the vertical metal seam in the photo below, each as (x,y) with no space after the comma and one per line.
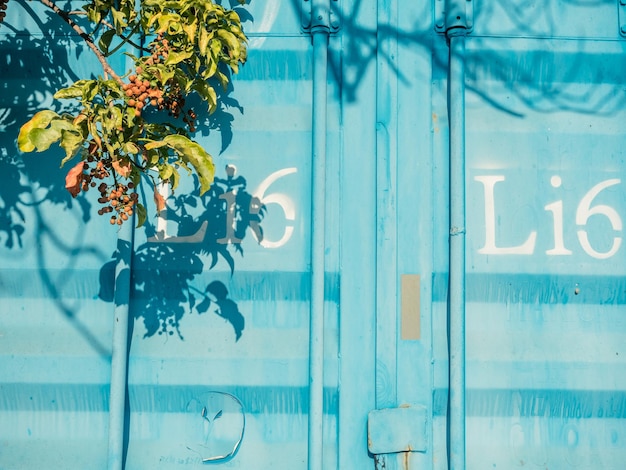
(320,33)
(119,350)
(456,301)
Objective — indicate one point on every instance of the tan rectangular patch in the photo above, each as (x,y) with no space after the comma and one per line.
(410,306)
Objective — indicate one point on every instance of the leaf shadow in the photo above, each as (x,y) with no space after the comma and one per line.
(210,228)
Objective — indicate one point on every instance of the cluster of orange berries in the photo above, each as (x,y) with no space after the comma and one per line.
(116,198)
(160,49)
(140,92)
(118,201)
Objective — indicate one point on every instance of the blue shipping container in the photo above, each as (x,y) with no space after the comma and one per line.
(411,258)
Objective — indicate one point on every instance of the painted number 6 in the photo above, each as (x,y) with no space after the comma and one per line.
(584,211)
(276,198)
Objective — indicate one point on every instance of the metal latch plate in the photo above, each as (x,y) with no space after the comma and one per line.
(334,20)
(459,14)
(394,430)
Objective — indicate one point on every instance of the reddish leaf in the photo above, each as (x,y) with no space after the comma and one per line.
(74,179)
(159,200)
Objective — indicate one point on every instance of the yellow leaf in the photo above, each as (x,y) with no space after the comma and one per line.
(41,120)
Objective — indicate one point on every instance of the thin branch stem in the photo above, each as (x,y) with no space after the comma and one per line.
(65,17)
(125,39)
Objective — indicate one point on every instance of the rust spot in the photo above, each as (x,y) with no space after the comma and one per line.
(405,461)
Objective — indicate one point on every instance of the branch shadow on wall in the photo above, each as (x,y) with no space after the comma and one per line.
(33,67)
(210,228)
(539,79)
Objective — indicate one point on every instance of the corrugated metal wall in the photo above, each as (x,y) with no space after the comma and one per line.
(221,285)
(545,262)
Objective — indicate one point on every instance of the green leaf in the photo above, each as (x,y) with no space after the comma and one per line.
(211,68)
(130,148)
(105,41)
(203,41)
(223,79)
(155,144)
(71,142)
(166,21)
(163,73)
(177,57)
(216,47)
(174,179)
(192,153)
(207,93)
(91,90)
(73,91)
(40,120)
(119,20)
(42,137)
(191,30)
(165,172)
(231,41)
(141,212)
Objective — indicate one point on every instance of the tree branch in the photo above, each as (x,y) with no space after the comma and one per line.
(65,17)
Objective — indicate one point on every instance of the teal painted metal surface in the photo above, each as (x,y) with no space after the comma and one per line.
(119,348)
(456,289)
(395,430)
(221,287)
(320,30)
